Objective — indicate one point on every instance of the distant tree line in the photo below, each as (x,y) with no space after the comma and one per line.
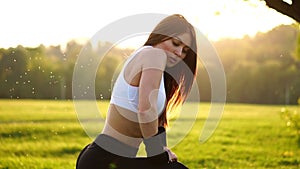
(46,72)
(262,69)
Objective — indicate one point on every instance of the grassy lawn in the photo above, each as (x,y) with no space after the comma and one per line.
(43,134)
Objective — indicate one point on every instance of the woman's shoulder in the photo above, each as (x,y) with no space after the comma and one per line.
(152,50)
(151,56)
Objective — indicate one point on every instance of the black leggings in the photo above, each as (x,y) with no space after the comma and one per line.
(94,156)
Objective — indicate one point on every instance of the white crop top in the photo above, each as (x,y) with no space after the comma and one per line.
(127,96)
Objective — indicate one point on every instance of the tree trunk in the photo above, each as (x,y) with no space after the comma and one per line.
(292,10)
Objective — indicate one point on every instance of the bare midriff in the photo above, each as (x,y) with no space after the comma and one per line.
(123,125)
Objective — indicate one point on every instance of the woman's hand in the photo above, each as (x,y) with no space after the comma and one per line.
(172,156)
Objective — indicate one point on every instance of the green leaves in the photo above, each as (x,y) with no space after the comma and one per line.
(292,119)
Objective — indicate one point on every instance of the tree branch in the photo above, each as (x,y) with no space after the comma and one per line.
(292,10)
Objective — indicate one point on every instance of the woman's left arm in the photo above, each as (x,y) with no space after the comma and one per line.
(153,64)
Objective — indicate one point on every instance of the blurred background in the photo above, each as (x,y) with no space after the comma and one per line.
(257,41)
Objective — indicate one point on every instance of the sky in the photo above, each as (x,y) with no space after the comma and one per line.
(56,22)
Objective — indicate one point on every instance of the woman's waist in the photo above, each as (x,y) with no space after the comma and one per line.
(123,131)
(115,146)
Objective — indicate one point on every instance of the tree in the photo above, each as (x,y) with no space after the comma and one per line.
(297,51)
(292,10)
(262,69)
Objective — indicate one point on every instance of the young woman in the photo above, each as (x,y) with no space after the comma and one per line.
(156,78)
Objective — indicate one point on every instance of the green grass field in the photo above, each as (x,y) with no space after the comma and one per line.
(46,134)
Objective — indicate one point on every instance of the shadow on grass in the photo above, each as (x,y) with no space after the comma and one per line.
(69,151)
(65,151)
(289,162)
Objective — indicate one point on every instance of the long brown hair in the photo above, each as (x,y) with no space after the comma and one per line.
(178,79)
